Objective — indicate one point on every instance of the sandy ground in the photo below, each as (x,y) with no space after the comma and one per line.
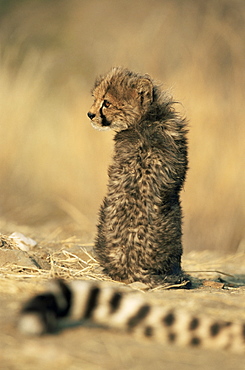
(99,349)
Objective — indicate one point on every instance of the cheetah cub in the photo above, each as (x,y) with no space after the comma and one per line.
(139,229)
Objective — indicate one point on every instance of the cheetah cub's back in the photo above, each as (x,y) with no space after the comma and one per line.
(139,229)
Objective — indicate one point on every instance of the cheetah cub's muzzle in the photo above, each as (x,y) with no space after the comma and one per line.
(99,121)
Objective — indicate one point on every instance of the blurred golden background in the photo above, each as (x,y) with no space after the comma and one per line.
(53,164)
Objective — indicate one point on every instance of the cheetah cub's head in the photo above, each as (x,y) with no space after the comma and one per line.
(121,99)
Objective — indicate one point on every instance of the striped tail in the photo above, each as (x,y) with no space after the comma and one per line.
(104,305)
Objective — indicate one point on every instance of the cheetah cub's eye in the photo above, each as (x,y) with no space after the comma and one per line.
(106,103)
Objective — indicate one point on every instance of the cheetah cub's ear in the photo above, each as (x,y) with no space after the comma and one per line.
(145,91)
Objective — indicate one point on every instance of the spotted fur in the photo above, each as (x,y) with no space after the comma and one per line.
(139,229)
(104,305)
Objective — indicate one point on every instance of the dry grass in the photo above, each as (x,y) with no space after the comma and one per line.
(53,164)
(70,259)
(65,259)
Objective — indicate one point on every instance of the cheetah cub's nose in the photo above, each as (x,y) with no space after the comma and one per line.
(91,115)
